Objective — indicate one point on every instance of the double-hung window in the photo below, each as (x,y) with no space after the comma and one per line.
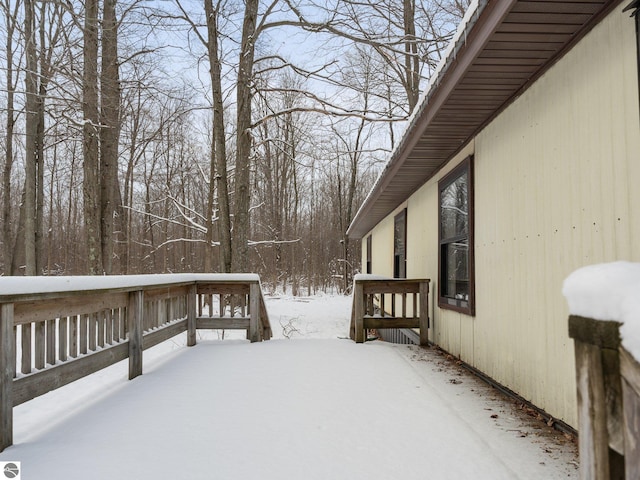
(456,289)
(400,245)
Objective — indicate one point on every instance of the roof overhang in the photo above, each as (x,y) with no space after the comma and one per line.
(500,49)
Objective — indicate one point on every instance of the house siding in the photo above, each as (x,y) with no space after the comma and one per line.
(555,189)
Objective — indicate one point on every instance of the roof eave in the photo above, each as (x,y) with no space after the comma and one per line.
(485,26)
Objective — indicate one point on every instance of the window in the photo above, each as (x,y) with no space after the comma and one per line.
(456,266)
(369,241)
(400,245)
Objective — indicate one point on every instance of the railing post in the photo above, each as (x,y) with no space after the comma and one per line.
(191,315)
(7,372)
(254,315)
(630,373)
(599,390)
(424,313)
(358,305)
(135,315)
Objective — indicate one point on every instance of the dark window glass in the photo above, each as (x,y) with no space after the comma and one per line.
(400,245)
(456,286)
(454,206)
(369,254)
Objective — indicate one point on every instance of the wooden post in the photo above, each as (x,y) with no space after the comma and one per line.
(7,372)
(358,304)
(592,421)
(424,313)
(135,315)
(254,314)
(600,409)
(192,299)
(630,371)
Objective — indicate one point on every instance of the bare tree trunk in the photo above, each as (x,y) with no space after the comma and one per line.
(219,149)
(91,139)
(208,250)
(240,256)
(7,230)
(31,135)
(412,60)
(109,134)
(45,74)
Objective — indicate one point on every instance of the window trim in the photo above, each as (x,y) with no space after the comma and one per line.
(396,274)
(369,253)
(463,306)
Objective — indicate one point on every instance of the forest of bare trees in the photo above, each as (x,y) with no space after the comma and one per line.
(180,136)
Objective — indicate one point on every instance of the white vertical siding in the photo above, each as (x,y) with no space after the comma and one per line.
(555,189)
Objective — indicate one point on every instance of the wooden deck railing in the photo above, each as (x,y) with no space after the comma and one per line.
(380,303)
(608,384)
(52,336)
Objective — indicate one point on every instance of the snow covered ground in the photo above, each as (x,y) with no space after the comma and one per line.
(309,404)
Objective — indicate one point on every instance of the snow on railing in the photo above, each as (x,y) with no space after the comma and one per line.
(604,307)
(381,302)
(55,330)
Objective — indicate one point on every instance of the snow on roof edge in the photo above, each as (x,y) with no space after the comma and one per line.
(608,292)
(469,19)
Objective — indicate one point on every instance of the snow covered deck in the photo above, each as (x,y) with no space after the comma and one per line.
(313,407)
(56,330)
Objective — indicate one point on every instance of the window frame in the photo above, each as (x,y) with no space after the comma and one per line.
(400,267)
(463,306)
(369,264)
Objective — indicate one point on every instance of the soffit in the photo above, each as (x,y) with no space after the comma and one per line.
(502,51)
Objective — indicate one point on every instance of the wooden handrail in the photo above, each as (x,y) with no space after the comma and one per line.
(375,306)
(76,326)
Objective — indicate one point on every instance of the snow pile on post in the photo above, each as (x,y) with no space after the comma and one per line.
(608,292)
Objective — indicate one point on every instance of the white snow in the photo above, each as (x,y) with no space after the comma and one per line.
(317,406)
(610,292)
(11,286)
(369,276)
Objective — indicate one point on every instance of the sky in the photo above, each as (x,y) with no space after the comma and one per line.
(309,403)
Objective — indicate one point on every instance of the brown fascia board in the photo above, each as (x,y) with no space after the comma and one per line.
(480,27)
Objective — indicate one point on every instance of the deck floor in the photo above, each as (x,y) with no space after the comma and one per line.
(286,409)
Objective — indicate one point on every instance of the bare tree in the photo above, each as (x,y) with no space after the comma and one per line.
(91,139)
(110,199)
(11,21)
(28,212)
(240,255)
(401,35)
(218,170)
